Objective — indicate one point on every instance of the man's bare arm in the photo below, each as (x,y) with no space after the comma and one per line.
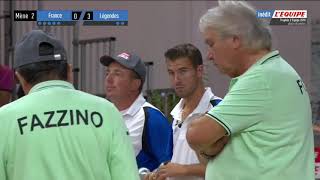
(206,136)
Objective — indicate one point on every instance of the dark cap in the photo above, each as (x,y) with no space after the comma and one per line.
(128,60)
(38,46)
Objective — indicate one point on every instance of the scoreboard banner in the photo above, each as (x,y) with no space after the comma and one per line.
(70,17)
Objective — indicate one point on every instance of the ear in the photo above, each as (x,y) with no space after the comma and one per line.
(236,42)
(200,70)
(69,74)
(25,86)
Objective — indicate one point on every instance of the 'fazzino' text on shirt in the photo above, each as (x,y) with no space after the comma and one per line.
(59,118)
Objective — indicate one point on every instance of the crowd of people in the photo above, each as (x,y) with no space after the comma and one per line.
(261,129)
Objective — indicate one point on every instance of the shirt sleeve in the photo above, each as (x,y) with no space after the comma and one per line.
(244,105)
(3,140)
(121,157)
(160,136)
(2,164)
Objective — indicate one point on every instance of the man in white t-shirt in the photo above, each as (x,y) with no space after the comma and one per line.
(185,68)
(149,129)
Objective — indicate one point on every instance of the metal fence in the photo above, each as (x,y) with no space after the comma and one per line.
(315,73)
(91,72)
(5,33)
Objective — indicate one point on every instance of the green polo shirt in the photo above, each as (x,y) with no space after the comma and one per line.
(268,116)
(59,133)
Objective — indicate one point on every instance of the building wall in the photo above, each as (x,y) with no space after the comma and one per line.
(155,26)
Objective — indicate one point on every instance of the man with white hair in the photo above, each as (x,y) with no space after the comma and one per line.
(266,113)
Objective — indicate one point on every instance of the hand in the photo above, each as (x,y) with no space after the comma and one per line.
(170,170)
(150,176)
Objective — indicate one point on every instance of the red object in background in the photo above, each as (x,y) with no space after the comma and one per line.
(317,162)
(317,154)
(7,82)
